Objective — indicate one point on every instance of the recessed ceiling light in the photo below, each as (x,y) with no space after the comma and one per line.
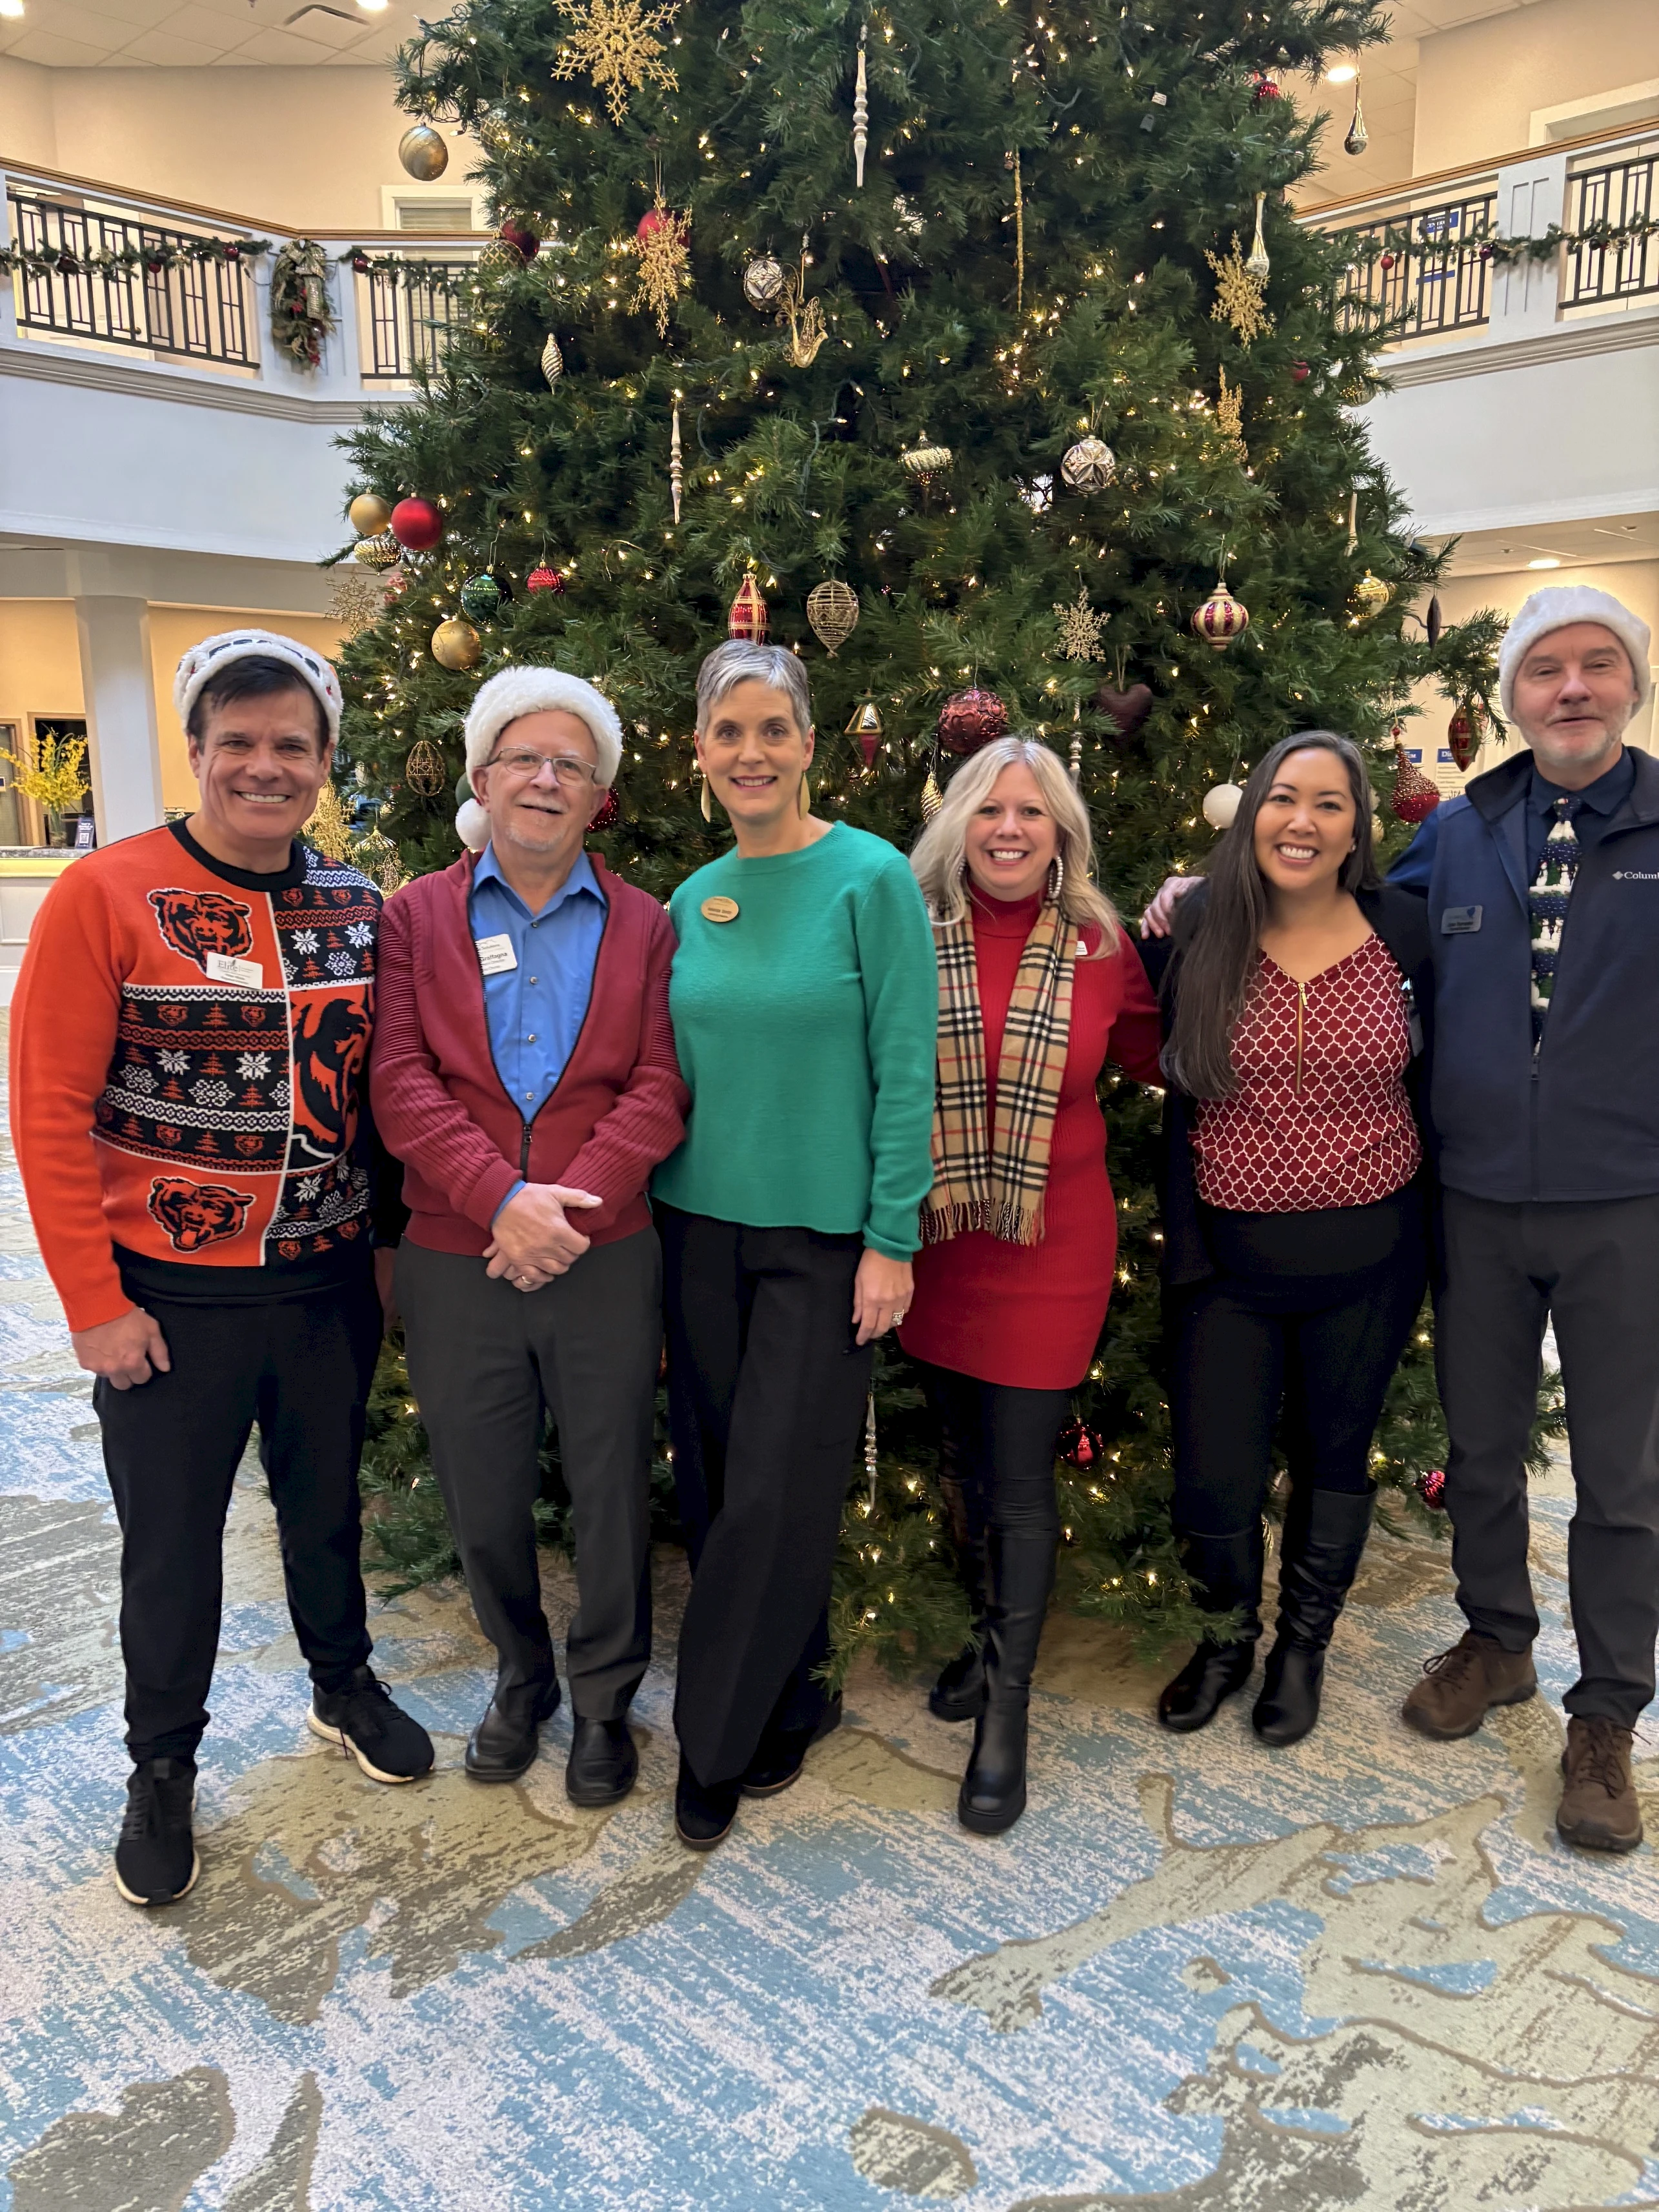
(373,7)
(1549,560)
(11,7)
(1344,73)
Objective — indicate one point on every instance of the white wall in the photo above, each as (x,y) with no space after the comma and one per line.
(1477,87)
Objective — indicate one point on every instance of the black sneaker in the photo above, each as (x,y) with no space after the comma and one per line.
(703,1816)
(156,1860)
(361,1719)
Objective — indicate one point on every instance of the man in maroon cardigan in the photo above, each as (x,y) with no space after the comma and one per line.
(523,1072)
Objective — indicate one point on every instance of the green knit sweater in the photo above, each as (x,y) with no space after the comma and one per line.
(807,1031)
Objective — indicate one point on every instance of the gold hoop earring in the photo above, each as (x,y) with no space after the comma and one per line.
(804,798)
(708,808)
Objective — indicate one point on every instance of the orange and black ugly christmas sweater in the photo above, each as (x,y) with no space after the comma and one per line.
(188,1043)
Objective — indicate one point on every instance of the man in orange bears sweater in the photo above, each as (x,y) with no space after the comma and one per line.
(188,1043)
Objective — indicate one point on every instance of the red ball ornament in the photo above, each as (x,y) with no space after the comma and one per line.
(609,815)
(1080,1447)
(650,223)
(232,253)
(1300,372)
(1386,263)
(1415,797)
(1266,86)
(417,524)
(519,236)
(359,264)
(971,719)
(543,579)
(1431,1487)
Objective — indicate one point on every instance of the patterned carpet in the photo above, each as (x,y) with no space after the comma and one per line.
(1359,1973)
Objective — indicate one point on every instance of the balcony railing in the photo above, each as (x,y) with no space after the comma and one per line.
(1615,194)
(406,319)
(1432,284)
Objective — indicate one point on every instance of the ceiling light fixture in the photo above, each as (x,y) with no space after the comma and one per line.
(1549,560)
(373,7)
(1344,73)
(11,7)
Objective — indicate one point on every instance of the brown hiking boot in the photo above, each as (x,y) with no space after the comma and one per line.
(1599,1810)
(1460,1686)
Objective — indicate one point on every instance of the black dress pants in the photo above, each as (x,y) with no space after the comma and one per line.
(1249,1341)
(767,1390)
(487,1363)
(1594,1269)
(301,1367)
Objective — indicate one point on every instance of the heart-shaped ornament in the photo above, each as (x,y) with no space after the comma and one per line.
(1127,709)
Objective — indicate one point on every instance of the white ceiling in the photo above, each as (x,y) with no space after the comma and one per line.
(201,34)
(1574,544)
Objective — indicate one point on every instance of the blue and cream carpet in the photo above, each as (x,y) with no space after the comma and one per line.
(1360,1973)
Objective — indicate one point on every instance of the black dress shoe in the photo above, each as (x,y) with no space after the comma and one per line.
(1194,1697)
(703,1816)
(959,1693)
(503,1745)
(603,1763)
(782,1753)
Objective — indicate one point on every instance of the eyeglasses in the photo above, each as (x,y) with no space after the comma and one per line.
(524,761)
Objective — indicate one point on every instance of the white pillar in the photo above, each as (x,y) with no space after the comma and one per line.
(1531,195)
(118,687)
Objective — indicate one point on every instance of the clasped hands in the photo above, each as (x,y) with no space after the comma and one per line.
(533,1237)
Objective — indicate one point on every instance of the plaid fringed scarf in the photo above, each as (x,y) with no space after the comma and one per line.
(995,1179)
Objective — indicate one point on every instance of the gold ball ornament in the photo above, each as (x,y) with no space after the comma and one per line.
(379,552)
(368,513)
(1221,619)
(832,608)
(925,460)
(456,644)
(1370,595)
(423,153)
(499,258)
(763,281)
(1221,805)
(1089,466)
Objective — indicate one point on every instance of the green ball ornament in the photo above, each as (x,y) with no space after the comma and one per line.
(481,598)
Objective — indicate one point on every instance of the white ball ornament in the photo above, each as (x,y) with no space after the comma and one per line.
(1089,466)
(1221,805)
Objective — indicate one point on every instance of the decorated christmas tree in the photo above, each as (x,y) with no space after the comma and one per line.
(973,352)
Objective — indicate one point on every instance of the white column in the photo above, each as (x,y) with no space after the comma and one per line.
(1531,194)
(119,691)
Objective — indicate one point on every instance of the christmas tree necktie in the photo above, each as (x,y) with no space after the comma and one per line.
(1552,887)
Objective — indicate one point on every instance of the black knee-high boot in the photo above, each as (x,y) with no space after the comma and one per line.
(1325,1532)
(959,1693)
(1225,1573)
(1021,1575)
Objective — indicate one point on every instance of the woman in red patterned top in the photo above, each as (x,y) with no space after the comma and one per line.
(1295,989)
(1037,989)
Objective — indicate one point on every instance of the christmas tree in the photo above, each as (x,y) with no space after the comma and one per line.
(976,350)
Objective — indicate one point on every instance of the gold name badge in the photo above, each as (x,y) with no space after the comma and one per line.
(719,909)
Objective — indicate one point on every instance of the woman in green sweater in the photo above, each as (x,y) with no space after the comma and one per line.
(805,1000)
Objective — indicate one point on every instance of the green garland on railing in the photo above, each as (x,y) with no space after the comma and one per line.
(105,260)
(1493,246)
(430,276)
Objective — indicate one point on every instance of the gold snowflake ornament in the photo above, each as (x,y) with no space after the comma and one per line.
(614,43)
(1079,628)
(664,263)
(1240,298)
(1230,417)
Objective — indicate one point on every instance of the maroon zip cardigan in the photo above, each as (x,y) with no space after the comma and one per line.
(618,1108)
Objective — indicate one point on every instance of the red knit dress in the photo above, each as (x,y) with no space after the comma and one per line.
(1031,1314)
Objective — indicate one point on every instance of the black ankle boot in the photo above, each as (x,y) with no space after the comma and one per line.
(1324,1538)
(1021,1576)
(1225,1573)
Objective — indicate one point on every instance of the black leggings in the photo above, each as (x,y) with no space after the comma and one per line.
(1324,1345)
(997,1458)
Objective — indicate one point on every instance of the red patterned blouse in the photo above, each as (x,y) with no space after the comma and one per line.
(1320,1117)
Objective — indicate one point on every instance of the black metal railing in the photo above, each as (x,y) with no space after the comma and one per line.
(408,320)
(195,310)
(1429,275)
(1613,193)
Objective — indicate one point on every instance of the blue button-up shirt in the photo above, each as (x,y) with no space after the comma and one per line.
(535,1011)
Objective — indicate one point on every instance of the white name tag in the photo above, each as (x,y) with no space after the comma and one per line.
(245,975)
(495,954)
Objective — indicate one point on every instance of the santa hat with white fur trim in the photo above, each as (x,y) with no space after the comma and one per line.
(515,691)
(214,654)
(1554,608)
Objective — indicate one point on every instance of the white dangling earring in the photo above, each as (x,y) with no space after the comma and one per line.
(1059,882)
(708,809)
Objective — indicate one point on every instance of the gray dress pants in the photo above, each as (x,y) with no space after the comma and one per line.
(1594,1269)
(487,1363)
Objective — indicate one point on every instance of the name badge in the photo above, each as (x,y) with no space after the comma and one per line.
(1461,921)
(719,909)
(245,975)
(495,954)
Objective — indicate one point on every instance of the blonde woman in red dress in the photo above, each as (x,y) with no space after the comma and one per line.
(1038,987)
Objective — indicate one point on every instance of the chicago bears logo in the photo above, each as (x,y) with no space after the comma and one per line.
(196,1213)
(197,923)
(331,1041)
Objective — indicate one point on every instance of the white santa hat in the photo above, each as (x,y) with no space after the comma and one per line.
(515,691)
(214,654)
(1554,608)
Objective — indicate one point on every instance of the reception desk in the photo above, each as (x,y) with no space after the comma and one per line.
(26,874)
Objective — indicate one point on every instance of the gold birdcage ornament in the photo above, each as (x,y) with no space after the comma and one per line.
(423,770)
(832,608)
